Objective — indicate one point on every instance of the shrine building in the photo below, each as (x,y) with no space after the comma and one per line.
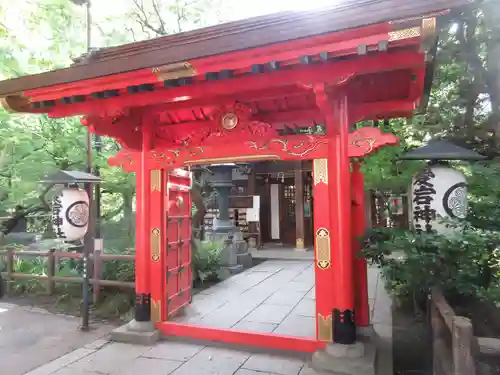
(286,94)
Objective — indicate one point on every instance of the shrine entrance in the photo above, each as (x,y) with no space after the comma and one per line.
(287,87)
(177,252)
(166,196)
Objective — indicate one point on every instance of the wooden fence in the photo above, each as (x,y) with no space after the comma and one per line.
(53,257)
(455,347)
(453,342)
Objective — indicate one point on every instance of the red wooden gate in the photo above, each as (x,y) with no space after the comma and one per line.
(178,246)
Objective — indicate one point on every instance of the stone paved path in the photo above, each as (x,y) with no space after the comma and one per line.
(259,284)
(30,337)
(275,296)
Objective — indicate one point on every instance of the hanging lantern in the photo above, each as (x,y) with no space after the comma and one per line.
(438,192)
(70,214)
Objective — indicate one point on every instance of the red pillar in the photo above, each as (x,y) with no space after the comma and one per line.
(344,328)
(157,235)
(323,270)
(358,229)
(142,250)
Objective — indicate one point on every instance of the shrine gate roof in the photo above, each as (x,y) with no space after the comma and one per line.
(269,43)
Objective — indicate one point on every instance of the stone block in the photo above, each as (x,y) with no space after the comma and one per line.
(212,361)
(306,307)
(113,358)
(140,333)
(356,359)
(149,366)
(273,314)
(279,365)
(241,246)
(285,299)
(297,325)
(254,326)
(61,362)
(225,272)
(244,259)
(367,332)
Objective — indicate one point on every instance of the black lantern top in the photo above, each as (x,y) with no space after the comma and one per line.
(70,177)
(439,149)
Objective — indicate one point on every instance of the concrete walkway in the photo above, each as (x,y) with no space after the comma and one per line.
(262,309)
(31,337)
(275,296)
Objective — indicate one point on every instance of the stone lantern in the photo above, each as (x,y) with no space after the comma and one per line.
(222,182)
(439,191)
(235,255)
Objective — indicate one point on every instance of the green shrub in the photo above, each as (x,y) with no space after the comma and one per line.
(464,264)
(121,270)
(206,259)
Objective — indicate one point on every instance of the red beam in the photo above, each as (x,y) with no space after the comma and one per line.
(87,87)
(326,72)
(334,43)
(246,97)
(309,116)
(261,340)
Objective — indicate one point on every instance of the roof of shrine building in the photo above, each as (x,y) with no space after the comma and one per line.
(213,53)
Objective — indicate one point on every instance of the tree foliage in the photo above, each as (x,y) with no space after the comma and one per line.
(40,35)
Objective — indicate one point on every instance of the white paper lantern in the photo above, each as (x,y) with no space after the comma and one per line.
(437,192)
(70,214)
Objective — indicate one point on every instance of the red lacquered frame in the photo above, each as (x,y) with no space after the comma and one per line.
(167,130)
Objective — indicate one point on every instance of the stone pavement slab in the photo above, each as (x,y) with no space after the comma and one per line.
(273,364)
(273,296)
(183,358)
(31,337)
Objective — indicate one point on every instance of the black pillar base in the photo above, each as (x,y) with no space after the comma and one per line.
(344,328)
(142,307)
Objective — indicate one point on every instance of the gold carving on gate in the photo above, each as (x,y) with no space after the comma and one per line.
(155,244)
(155,310)
(289,146)
(325,332)
(232,159)
(174,71)
(429,27)
(320,171)
(323,259)
(299,243)
(180,202)
(408,33)
(429,34)
(156,180)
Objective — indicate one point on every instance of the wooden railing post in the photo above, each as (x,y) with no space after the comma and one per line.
(97,260)
(438,331)
(10,270)
(462,346)
(51,271)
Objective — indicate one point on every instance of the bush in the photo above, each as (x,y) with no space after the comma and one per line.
(206,260)
(121,270)
(466,264)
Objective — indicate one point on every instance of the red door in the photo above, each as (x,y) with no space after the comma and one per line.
(178,246)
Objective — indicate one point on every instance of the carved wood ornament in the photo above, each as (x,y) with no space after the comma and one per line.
(230,134)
